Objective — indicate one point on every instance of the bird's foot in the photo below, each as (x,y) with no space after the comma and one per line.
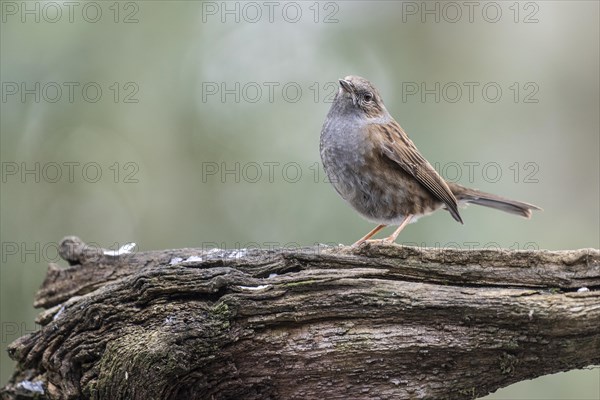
(378,242)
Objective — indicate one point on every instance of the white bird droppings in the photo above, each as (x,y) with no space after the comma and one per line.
(125,249)
(175,260)
(259,287)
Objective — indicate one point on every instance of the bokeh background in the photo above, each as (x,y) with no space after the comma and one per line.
(206,130)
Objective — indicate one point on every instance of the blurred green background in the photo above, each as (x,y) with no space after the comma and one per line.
(206,128)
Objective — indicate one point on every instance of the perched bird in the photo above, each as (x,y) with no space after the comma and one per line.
(378,170)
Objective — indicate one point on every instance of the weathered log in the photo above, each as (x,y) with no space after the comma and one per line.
(379,321)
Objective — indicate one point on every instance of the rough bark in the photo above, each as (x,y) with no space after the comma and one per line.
(377,322)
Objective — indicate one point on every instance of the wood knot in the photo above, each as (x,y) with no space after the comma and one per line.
(74,250)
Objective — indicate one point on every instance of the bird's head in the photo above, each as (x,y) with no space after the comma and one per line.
(360,94)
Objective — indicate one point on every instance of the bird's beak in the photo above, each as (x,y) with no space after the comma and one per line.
(347,86)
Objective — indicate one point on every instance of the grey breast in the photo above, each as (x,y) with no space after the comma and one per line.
(343,151)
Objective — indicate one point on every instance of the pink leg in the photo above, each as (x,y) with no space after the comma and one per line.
(369,235)
(393,236)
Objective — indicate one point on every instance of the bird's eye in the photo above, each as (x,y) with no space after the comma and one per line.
(368,97)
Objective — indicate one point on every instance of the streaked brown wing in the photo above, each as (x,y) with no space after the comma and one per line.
(398,147)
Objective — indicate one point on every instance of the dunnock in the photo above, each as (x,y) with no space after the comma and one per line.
(376,168)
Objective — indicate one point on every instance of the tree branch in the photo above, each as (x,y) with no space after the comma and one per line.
(374,322)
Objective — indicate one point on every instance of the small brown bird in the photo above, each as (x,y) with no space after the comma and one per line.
(376,168)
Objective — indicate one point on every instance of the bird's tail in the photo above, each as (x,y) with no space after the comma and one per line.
(473,196)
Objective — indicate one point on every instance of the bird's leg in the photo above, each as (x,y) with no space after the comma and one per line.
(369,235)
(393,236)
